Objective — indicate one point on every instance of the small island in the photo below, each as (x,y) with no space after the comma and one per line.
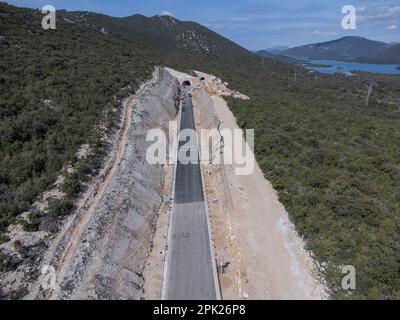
(398,67)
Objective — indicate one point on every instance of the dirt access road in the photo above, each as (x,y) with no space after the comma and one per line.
(189,272)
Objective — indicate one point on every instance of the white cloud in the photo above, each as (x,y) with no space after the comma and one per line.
(379,12)
(392,27)
(214,25)
(240,19)
(321,33)
(167,13)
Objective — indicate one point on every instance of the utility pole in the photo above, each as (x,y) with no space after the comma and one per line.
(295,74)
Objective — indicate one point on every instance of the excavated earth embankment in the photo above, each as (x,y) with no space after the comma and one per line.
(102,249)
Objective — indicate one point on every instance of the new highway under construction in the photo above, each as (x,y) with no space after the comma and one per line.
(189,267)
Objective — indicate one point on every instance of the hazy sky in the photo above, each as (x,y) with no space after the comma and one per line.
(257,24)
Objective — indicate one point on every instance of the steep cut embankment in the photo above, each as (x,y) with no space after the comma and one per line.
(102,250)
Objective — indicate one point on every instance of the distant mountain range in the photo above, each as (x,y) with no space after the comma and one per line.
(345,49)
(389,55)
(276,56)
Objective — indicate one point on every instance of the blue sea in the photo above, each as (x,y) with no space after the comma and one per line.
(346,68)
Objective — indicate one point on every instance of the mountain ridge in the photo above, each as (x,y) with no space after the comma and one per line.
(349,48)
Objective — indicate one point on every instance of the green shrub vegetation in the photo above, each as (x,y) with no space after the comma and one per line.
(60,207)
(336,165)
(71,185)
(55,87)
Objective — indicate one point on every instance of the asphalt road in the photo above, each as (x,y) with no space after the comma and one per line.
(189,270)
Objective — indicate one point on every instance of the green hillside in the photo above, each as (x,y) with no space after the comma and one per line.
(55,85)
(390,55)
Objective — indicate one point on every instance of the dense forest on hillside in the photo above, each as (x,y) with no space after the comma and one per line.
(336,165)
(334,160)
(55,85)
